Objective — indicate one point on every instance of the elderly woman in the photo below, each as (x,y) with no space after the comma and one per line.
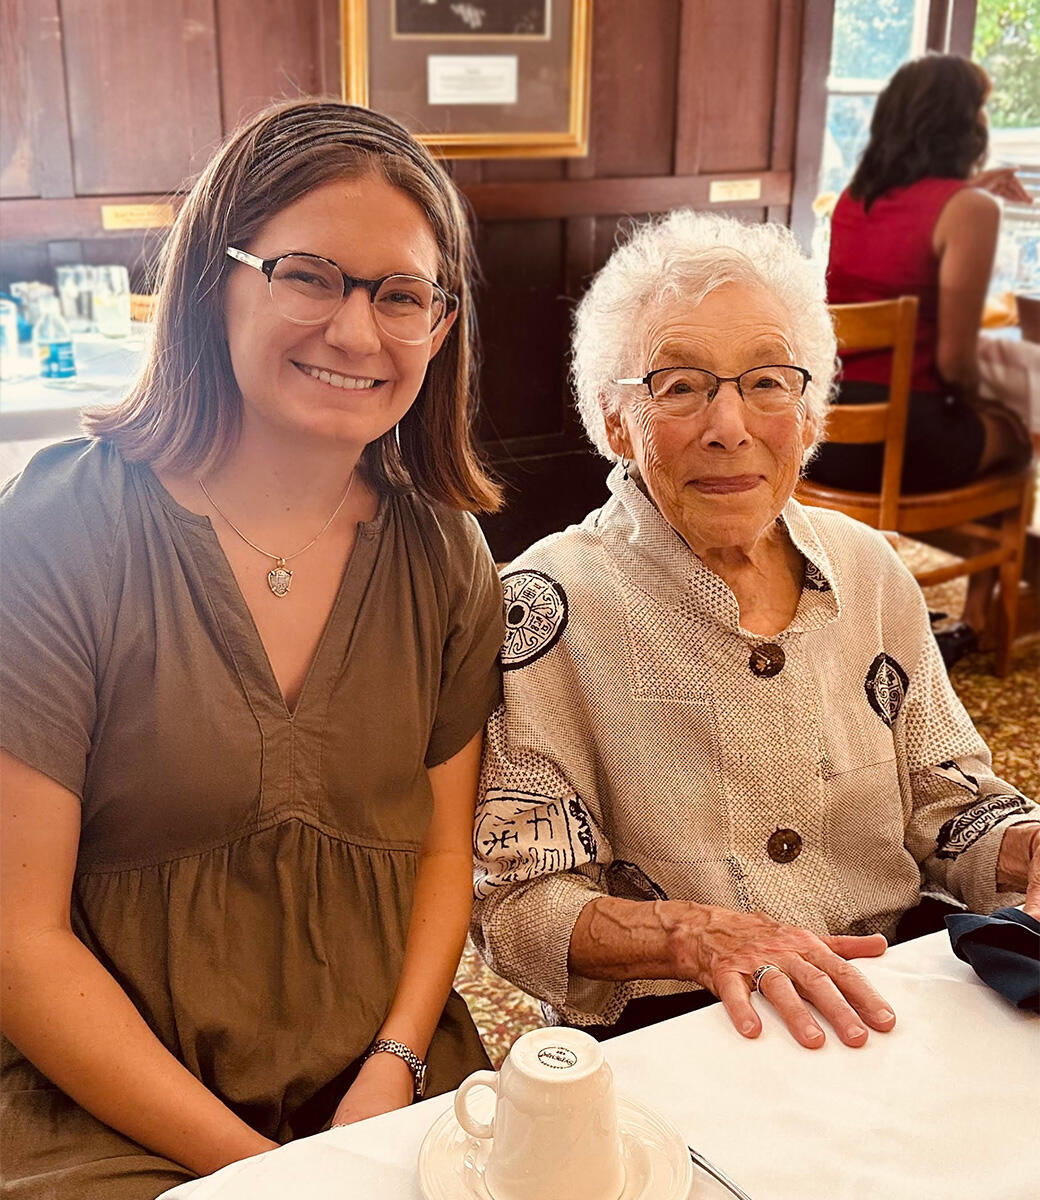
(728,748)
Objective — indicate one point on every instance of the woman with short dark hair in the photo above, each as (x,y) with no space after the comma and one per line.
(250,642)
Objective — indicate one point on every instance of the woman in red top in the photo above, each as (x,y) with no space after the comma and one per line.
(918,220)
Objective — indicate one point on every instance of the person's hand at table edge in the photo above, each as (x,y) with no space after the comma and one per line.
(1002,182)
(383,1084)
(734,954)
(1018,864)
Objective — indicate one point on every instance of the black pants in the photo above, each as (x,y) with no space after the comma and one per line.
(945,438)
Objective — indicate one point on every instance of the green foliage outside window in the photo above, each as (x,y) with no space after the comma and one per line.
(1007,44)
(871,37)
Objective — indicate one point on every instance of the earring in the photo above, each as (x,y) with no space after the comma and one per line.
(624,468)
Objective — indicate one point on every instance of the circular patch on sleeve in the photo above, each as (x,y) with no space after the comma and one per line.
(536,616)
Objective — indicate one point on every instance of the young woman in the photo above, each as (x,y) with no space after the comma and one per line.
(250,644)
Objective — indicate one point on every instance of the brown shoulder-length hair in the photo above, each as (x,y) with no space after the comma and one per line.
(927,122)
(184,413)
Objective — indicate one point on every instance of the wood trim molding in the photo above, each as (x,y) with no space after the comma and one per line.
(38,220)
(818,28)
(65,218)
(50,133)
(561,198)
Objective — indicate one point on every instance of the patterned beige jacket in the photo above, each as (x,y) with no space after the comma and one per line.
(649,747)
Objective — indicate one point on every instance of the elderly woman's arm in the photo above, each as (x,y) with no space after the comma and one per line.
(543,918)
(721,949)
(972,832)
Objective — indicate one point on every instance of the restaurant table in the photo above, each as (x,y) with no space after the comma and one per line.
(1009,371)
(945,1107)
(35,411)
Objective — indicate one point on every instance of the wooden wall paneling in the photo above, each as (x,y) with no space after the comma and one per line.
(17,158)
(689,85)
(736,54)
(579,264)
(330,35)
(522,170)
(788,78)
(144,99)
(592,197)
(785,108)
(522,321)
(35,157)
(269,50)
(543,494)
(632,111)
(818,27)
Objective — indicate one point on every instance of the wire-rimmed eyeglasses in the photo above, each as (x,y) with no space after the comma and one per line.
(308,289)
(687,391)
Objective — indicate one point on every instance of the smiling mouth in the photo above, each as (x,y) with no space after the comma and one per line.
(335,379)
(724,485)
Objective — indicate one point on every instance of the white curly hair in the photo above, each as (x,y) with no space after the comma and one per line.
(681,258)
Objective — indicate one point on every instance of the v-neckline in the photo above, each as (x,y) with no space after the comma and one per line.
(235,618)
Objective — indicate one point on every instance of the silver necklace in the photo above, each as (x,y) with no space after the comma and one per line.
(279,578)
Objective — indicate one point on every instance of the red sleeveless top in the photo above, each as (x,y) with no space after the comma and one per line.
(886,253)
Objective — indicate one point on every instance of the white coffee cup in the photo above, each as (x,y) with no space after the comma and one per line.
(555,1128)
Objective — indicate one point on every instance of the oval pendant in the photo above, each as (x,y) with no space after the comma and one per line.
(279,578)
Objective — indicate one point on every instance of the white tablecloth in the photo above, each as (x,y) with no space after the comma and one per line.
(33,408)
(1009,371)
(943,1108)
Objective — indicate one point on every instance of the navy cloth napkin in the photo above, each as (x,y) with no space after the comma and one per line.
(1004,951)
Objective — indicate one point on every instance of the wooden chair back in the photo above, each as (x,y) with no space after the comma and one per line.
(989,514)
(879,325)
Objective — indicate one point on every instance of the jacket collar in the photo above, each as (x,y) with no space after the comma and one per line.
(656,560)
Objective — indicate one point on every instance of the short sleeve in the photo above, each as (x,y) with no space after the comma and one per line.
(471,680)
(58,522)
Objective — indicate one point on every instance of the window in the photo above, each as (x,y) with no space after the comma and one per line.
(871,39)
(1007,44)
(863,42)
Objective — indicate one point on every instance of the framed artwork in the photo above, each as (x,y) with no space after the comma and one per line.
(489,78)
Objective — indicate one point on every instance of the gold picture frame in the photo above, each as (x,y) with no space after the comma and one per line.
(470,85)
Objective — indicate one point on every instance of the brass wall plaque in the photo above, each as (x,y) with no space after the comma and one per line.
(136,216)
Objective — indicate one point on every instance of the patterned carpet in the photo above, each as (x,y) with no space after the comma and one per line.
(1006,713)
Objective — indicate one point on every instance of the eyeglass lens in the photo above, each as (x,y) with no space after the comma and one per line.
(308,291)
(765,389)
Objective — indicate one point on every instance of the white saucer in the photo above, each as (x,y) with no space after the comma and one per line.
(657,1162)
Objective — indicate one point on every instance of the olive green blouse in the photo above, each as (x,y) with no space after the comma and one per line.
(244,872)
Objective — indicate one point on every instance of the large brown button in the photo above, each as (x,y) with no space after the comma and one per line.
(784,845)
(767,659)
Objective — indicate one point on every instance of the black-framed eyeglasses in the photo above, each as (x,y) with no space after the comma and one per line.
(687,391)
(308,289)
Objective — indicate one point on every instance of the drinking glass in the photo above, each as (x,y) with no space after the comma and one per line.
(112,301)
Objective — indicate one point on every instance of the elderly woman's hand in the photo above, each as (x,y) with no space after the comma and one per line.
(722,949)
(1018,864)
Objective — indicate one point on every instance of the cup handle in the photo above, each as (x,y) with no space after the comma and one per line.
(477,1129)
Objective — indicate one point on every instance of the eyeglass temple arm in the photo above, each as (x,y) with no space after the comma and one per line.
(241,256)
(628,381)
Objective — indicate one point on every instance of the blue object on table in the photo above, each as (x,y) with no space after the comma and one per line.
(1004,951)
(24,325)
